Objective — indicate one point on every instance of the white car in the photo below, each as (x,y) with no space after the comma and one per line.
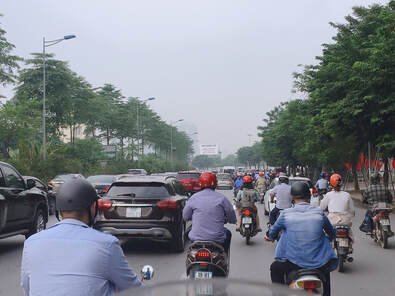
(268,206)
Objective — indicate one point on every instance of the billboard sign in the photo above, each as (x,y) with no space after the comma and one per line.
(209,149)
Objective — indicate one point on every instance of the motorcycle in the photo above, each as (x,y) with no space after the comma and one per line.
(381,224)
(248,224)
(310,280)
(342,246)
(205,260)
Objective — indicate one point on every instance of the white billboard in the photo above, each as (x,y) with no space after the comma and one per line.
(209,149)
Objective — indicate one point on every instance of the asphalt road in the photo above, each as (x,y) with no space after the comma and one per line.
(371,273)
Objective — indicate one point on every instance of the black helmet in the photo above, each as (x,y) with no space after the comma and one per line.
(300,190)
(283,178)
(75,195)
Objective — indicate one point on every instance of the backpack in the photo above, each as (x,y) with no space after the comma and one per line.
(248,198)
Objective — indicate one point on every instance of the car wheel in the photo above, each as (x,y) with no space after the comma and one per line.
(38,225)
(178,243)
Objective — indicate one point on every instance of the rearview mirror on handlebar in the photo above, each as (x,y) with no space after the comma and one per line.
(147,272)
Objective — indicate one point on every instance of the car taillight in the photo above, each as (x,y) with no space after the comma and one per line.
(309,284)
(103,204)
(203,255)
(168,204)
(341,232)
(105,189)
(50,183)
(314,191)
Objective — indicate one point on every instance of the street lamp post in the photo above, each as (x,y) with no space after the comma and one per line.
(47,44)
(138,125)
(171,139)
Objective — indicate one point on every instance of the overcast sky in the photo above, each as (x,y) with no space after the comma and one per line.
(220,64)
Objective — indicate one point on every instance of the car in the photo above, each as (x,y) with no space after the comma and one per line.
(268,206)
(189,179)
(137,172)
(23,206)
(101,183)
(56,182)
(145,207)
(224,181)
(46,190)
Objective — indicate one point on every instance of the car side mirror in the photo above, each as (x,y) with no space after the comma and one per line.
(147,272)
(30,183)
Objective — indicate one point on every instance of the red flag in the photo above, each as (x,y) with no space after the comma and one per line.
(366,163)
(372,163)
(393,163)
(379,165)
(347,165)
(361,158)
(358,166)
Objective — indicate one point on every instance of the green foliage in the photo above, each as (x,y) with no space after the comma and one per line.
(351,98)
(8,62)
(250,155)
(203,162)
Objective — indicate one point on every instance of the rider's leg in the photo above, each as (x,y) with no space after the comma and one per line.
(279,269)
(272,215)
(228,239)
(258,225)
(238,219)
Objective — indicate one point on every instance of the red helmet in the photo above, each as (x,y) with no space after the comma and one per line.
(336,180)
(208,180)
(261,174)
(247,179)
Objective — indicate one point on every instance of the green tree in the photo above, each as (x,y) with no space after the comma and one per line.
(8,62)
(203,161)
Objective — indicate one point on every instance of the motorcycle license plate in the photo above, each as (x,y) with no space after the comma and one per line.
(133,212)
(381,205)
(385,222)
(247,220)
(342,242)
(203,275)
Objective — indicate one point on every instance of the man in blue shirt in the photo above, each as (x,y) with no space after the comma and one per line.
(305,239)
(71,258)
(209,211)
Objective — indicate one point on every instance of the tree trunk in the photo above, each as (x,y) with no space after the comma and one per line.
(108,137)
(122,147)
(386,172)
(355,176)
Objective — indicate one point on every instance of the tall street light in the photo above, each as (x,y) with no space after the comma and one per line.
(171,139)
(45,45)
(138,125)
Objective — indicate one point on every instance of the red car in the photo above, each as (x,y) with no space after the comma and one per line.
(189,179)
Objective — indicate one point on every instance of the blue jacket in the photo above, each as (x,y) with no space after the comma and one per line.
(306,236)
(238,183)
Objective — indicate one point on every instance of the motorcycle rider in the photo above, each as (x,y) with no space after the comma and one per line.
(209,211)
(245,192)
(237,184)
(305,239)
(322,184)
(282,192)
(260,183)
(375,193)
(71,258)
(339,205)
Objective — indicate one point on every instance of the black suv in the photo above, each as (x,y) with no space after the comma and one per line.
(145,207)
(23,207)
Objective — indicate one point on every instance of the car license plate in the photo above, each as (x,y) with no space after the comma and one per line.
(247,220)
(133,212)
(203,275)
(343,242)
(385,222)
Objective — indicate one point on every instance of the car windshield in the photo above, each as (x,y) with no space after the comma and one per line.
(292,181)
(140,190)
(187,176)
(223,176)
(65,177)
(108,179)
(136,172)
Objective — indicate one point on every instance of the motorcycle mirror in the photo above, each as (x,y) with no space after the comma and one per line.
(147,272)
